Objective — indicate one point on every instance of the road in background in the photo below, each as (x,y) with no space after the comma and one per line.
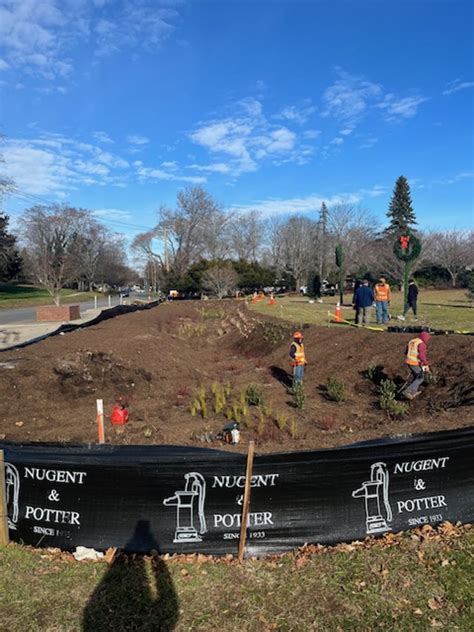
(28,314)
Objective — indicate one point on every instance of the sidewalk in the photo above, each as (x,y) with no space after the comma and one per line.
(19,333)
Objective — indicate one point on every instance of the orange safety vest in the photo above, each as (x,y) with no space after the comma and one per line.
(382,292)
(299,359)
(412,353)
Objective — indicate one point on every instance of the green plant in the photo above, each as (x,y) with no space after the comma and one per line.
(262,422)
(298,395)
(190,331)
(294,430)
(254,395)
(229,415)
(335,389)
(375,373)
(281,421)
(220,399)
(236,413)
(199,404)
(387,401)
(432,377)
(211,314)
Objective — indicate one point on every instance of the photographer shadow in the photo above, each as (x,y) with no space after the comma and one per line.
(137,593)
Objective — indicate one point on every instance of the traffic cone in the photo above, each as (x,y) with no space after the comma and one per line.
(272,300)
(338,314)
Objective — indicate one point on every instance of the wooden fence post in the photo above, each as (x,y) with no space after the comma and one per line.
(246,503)
(4,535)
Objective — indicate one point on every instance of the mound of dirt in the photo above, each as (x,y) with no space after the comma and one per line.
(167,360)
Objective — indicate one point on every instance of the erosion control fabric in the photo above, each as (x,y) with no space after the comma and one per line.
(184,500)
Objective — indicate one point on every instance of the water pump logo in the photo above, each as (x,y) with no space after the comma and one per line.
(12,480)
(189,503)
(375,492)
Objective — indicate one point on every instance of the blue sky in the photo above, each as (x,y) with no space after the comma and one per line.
(114,105)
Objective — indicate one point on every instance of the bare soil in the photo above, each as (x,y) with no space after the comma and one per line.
(158,358)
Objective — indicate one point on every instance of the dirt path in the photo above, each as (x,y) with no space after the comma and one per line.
(158,358)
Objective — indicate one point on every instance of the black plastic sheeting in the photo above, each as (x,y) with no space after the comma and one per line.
(183,500)
(105,314)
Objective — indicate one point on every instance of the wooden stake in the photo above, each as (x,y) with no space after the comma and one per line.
(100,420)
(246,503)
(4,535)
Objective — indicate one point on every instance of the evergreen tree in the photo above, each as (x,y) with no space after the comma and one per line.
(400,212)
(10,261)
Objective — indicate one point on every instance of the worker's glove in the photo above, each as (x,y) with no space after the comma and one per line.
(425,369)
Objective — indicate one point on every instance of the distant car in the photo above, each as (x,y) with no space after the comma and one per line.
(125,292)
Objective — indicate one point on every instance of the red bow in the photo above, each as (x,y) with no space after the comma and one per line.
(404,242)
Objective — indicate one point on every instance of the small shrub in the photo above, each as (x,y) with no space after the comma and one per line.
(335,390)
(387,401)
(327,422)
(254,395)
(236,413)
(211,314)
(433,377)
(190,331)
(375,373)
(298,395)
(262,422)
(199,404)
(229,415)
(281,421)
(294,430)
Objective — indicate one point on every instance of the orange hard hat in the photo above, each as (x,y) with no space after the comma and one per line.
(298,334)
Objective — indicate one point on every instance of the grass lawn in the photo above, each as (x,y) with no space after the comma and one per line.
(439,309)
(12,296)
(405,583)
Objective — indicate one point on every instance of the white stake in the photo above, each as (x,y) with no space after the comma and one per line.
(100,420)
(95,301)
(110,301)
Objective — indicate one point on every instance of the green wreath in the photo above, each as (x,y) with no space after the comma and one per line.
(407,248)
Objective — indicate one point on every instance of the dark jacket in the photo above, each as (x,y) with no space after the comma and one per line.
(412,293)
(364,296)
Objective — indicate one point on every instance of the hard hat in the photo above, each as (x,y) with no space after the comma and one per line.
(298,334)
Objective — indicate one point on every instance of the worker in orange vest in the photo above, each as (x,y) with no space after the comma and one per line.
(417,361)
(383,296)
(298,358)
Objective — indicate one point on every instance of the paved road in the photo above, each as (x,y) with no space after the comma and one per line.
(28,314)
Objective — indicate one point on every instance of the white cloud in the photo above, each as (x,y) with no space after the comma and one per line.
(311,134)
(4,65)
(346,131)
(136,139)
(337,141)
(53,165)
(307,204)
(152,173)
(400,108)
(170,164)
(39,36)
(456,85)
(297,114)
(369,142)
(102,137)
(246,138)
(216,167)
(351,97)
(112,213)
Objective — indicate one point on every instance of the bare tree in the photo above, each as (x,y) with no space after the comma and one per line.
(195,228)
(246,234)
(221,279)
(454,251)
(50,234)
